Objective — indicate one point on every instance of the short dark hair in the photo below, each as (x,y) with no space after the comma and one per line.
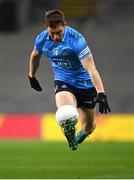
(54,17)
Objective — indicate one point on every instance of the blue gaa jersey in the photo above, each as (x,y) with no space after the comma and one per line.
(66,56)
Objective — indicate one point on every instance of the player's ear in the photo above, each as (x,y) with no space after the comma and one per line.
(45,25)
(65,23)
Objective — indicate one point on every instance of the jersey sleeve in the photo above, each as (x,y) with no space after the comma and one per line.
(81,48)
(38,45)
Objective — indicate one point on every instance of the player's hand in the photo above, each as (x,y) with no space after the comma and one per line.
(35,83)
(103,103)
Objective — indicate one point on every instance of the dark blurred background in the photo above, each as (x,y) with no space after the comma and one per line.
(108,26)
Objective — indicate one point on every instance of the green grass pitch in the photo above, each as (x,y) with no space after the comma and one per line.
(54,160)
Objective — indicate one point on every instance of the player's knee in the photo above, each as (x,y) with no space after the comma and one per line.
(65,113)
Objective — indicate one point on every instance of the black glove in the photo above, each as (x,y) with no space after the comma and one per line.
(103,103)
(35,84)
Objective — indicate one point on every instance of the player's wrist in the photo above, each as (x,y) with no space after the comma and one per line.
(101,94)
(101,97)
(31,77)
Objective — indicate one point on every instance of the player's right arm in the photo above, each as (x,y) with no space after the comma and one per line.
(34,63)
(33,66)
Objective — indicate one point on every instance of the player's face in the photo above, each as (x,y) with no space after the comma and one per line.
(56,33)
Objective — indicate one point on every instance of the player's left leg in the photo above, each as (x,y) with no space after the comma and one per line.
(87,119)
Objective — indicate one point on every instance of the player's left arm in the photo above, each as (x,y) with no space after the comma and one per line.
(89,65)
(85,56)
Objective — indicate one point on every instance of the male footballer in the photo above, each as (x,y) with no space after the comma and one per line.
(77,81)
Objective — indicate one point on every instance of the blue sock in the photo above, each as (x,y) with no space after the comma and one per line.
(82,134)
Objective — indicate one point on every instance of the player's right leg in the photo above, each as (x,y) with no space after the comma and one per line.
(63,97)
(66,116)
